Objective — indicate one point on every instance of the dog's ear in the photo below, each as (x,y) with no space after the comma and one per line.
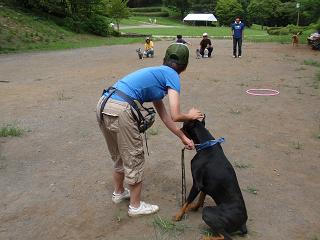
(204,120)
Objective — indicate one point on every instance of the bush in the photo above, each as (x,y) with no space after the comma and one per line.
(75,24)
(99,25)
(295,29)
(290,29)
(147,9)
(96,24)
(151,14)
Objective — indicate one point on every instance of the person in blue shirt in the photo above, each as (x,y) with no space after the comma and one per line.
(237,29)
(120,129)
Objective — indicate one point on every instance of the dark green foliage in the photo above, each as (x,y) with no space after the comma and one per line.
(203,6)
(287,14)
(290,29)
(277,31)
(264,12)
(228,10)
(99,25)
(310,11)
(75,24)
(143,3)
(118,10)
(96,24)
(151,14)
(146,9)
(11,130)
(277,13)
(181,6)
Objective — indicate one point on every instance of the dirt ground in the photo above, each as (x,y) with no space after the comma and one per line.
(55,180)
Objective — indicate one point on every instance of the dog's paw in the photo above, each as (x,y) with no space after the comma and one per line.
(177,217)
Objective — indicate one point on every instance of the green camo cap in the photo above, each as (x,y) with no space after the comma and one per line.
(178,52)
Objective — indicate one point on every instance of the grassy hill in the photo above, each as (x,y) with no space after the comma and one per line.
(23,31)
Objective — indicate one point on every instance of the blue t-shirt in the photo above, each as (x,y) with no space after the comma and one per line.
(237,29)
(148,84)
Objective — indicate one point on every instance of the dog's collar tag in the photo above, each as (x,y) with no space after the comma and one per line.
(209,143)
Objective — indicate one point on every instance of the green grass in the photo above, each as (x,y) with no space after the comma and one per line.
(254,34)
(207,232)
(241,165)
(166,226)
(11,130)
(300,69)
(318,76)
(316,237)
(311,62)
(251,190)
(138,20)
(191,31)
(22,31)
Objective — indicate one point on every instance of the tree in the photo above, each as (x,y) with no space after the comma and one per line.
(228,10)
(202,6)
(143,3)
(264,12)
(287,14)
(310,11)
(118,10)
(181,6)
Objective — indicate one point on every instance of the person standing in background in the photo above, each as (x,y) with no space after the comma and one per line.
(237,29)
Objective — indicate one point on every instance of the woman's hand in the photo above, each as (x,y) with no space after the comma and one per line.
(195,114)
(188,143)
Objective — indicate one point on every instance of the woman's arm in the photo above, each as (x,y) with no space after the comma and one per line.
(176,115)
(167,120)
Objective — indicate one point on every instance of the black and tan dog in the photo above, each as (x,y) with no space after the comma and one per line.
(213,175)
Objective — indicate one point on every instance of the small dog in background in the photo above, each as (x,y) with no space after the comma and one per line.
(295,40)
(140,53)
(198,53)
(205,53)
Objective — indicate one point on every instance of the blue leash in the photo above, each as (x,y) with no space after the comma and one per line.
(209,143)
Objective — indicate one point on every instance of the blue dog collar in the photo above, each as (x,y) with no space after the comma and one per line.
(209,143)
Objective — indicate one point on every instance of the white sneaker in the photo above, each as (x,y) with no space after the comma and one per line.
(234,56)
(239,56)
(143,209)
(118,197)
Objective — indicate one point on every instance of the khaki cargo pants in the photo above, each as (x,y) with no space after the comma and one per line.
(123,139)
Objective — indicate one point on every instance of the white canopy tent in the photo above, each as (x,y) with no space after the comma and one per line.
(203,17)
